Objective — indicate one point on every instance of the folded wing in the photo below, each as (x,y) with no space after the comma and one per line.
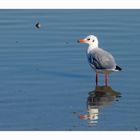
(101,59)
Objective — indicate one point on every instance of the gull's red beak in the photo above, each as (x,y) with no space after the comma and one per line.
(81,41)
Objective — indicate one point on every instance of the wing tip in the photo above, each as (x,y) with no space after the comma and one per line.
(118,68)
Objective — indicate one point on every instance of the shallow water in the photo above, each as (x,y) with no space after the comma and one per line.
(46,82)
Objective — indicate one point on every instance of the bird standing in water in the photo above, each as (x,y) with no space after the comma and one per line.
(100,60)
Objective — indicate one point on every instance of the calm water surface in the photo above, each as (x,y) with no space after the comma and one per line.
(46,82)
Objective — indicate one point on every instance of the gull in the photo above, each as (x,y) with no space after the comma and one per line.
(99,59)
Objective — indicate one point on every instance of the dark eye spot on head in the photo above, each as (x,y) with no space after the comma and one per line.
(92,40)
(88,39)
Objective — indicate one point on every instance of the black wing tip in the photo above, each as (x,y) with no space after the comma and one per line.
(118,68)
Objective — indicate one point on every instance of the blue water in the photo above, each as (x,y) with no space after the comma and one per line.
(46,82)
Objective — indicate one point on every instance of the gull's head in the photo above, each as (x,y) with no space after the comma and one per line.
(91,40)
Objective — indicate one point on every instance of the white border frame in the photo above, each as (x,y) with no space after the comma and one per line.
(69,4)
(67,135)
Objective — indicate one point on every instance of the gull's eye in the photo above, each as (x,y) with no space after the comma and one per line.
(88,39)
(92,40)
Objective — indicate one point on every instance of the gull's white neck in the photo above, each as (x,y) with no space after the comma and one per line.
(92,47)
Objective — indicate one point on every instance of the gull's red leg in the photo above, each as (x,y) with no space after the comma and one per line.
(106,79)
(96,78)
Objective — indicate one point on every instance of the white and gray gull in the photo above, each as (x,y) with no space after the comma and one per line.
(100,60)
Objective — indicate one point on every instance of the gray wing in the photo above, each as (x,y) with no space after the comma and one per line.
(101,59)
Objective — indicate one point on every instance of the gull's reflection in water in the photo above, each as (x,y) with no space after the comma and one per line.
(98,98)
